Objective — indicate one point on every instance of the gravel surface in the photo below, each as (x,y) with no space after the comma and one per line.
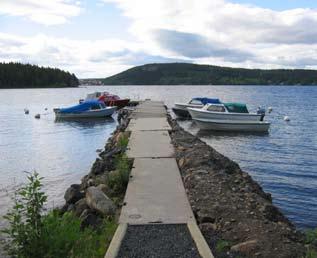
(158,241)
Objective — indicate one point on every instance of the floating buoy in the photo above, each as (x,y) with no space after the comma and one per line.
(286,118)
(269,109)
(26,111)
(37,116)
(45,108)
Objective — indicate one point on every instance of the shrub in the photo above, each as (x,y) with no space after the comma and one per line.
(24,219)
(33,235)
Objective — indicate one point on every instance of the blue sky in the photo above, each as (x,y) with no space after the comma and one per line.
(102,37)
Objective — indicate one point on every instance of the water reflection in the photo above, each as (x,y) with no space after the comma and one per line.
(85,122)
(210,133)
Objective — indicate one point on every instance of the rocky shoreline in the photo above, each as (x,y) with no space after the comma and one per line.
(95,199)
(236,217)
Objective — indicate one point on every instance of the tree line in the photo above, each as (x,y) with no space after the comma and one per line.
(193,74)
(17,75)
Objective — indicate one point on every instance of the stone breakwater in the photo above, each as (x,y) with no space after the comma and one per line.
(236,217)
(94,199)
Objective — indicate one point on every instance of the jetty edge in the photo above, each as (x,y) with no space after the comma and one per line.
(235,216)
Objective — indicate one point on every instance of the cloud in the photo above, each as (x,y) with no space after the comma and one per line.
(196,46)
(47,12)
(224,33)
(216,32)
(86,58)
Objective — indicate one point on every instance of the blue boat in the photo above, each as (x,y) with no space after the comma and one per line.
(86,109)
(180,109)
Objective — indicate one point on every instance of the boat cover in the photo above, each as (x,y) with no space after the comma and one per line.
(236,107)
(84,106)
(208,100)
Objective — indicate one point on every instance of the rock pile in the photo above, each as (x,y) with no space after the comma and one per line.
(229,206)
(93,199)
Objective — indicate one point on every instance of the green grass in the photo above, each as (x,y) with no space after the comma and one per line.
(63,237)
(222,246)
(123,141)
(118,179)
(311,242)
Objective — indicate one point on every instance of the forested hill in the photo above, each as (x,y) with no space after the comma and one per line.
(16,75)
(193,74)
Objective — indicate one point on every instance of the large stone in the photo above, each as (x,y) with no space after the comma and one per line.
(247,247)
(100,202)
(89,219)
(73,194)
(80,206)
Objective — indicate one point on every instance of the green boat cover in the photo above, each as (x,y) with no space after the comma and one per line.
(236,107)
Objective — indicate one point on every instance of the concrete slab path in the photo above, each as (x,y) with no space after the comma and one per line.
(150,144)
(155,194)
(149,124)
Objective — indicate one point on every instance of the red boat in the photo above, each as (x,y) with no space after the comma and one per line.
(109,99)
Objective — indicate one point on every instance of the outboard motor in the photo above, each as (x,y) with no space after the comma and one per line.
(261,111)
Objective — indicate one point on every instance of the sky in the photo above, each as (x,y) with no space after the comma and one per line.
(99,38)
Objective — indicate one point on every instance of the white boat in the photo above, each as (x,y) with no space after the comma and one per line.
(225,111)
(86,109)
(230,125)
(180,109)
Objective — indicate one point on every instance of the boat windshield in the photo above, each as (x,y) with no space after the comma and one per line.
(195,101)
(95,107)
(216,108)
(236,107)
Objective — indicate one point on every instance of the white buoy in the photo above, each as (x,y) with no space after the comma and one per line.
(37,116)
(286,118)
(26,111)
(269,109)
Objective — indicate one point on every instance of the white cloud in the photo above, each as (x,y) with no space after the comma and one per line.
(226,33)
(214,32)
(85,58)
(47,12)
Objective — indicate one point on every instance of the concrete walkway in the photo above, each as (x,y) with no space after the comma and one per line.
(155,193)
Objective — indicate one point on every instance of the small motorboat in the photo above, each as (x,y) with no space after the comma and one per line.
(86,109)
(232,125)
(108,99)
(180,109)
(226,111)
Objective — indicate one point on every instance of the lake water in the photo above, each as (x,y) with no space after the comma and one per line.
(284,161)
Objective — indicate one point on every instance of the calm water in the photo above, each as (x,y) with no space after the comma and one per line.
(283,162)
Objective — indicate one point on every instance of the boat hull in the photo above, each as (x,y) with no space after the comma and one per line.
(120,103)
(183,113)
(106,112)
(203,114)
(180,109)
(240,126)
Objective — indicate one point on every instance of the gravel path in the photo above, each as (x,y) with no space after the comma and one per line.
(158,241)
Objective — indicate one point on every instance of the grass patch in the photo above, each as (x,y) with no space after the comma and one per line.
(123,141)
(63,237)
(118,179)
(311,242)
(222,246)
